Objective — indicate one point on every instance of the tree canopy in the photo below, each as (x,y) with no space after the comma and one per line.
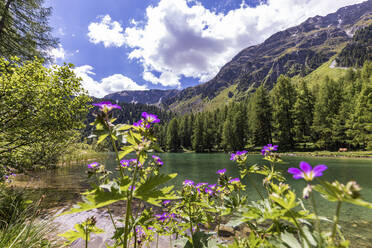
(41,110)
(24,29)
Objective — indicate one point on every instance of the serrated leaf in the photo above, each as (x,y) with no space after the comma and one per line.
(149,191)
(98,198)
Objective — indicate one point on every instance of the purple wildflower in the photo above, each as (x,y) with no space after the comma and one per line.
(157,160)
(134,162)
(268,148)
(212,186)
(141,123)
(221,172)
(125,163)
(307,172)
(106,106)
(208,191)
(130,188)
(234,180)
(201,184)
(165,203)
(238,155)
(150,118)
(188,183)
(164,216)
(93,165)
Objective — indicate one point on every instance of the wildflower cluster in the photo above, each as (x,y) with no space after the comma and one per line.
(268,148)
(239,156)
(106,106)
(197,209)
(146,121)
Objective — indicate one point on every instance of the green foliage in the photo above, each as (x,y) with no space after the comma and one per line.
(24,29)
(82,231)
(284,99)
(261,124)
(356,53)
(41,109)
(172,138)
(18,224)
(197,211)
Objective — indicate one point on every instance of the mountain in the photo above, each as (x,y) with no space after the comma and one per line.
(295,51)
(154,97)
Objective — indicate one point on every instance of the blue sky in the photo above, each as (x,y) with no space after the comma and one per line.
(164,44)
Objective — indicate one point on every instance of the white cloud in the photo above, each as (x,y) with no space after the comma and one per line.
(110,33)
(57,53)
(113,83)
(182,38)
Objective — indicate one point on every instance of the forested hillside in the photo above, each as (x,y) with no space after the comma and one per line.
(358,51)
(328,115)
(298,50)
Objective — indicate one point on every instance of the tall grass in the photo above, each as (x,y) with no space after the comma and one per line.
(19,223)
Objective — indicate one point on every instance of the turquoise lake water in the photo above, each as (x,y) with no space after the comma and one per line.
(62,186)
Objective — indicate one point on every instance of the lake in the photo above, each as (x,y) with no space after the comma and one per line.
(62,186)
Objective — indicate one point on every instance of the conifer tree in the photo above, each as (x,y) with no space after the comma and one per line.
(303,113)
(24,29)
(284,98)
(261,117)
(172,139)
(197,137)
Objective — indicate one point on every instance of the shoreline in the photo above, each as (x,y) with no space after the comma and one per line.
(319,154)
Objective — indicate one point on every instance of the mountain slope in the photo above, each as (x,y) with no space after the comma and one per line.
(296,51)
(142,96)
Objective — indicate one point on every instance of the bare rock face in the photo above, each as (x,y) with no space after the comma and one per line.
(155,97)
(296,51)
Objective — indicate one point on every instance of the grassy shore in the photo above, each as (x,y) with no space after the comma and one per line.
(350,154)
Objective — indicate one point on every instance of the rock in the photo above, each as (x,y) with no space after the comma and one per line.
(226,231)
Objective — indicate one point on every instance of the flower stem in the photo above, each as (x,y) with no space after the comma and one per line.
(317,223)
(113,222)
(86,235)
(299,228)
(336,221)
(128,207)
(191,227)
(255,186)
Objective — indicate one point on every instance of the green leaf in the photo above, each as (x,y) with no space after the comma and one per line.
(125,151)
(72,235)
(98,197)
(149,191)
(123,127)
(290,240)
(102,138)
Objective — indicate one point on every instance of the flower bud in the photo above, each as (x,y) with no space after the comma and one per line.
(306,192)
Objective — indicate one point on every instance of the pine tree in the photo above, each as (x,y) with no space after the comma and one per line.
(238,130)
(197,137)
(227,135)
(303,113)
(284,98)
(326,109)
(24,29)
(261,117)
(172,139)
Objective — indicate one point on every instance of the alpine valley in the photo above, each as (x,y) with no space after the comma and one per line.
(319,46)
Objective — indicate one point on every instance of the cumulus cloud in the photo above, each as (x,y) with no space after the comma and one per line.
(110,33)
(111,84)
(57,53)
(183,38)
